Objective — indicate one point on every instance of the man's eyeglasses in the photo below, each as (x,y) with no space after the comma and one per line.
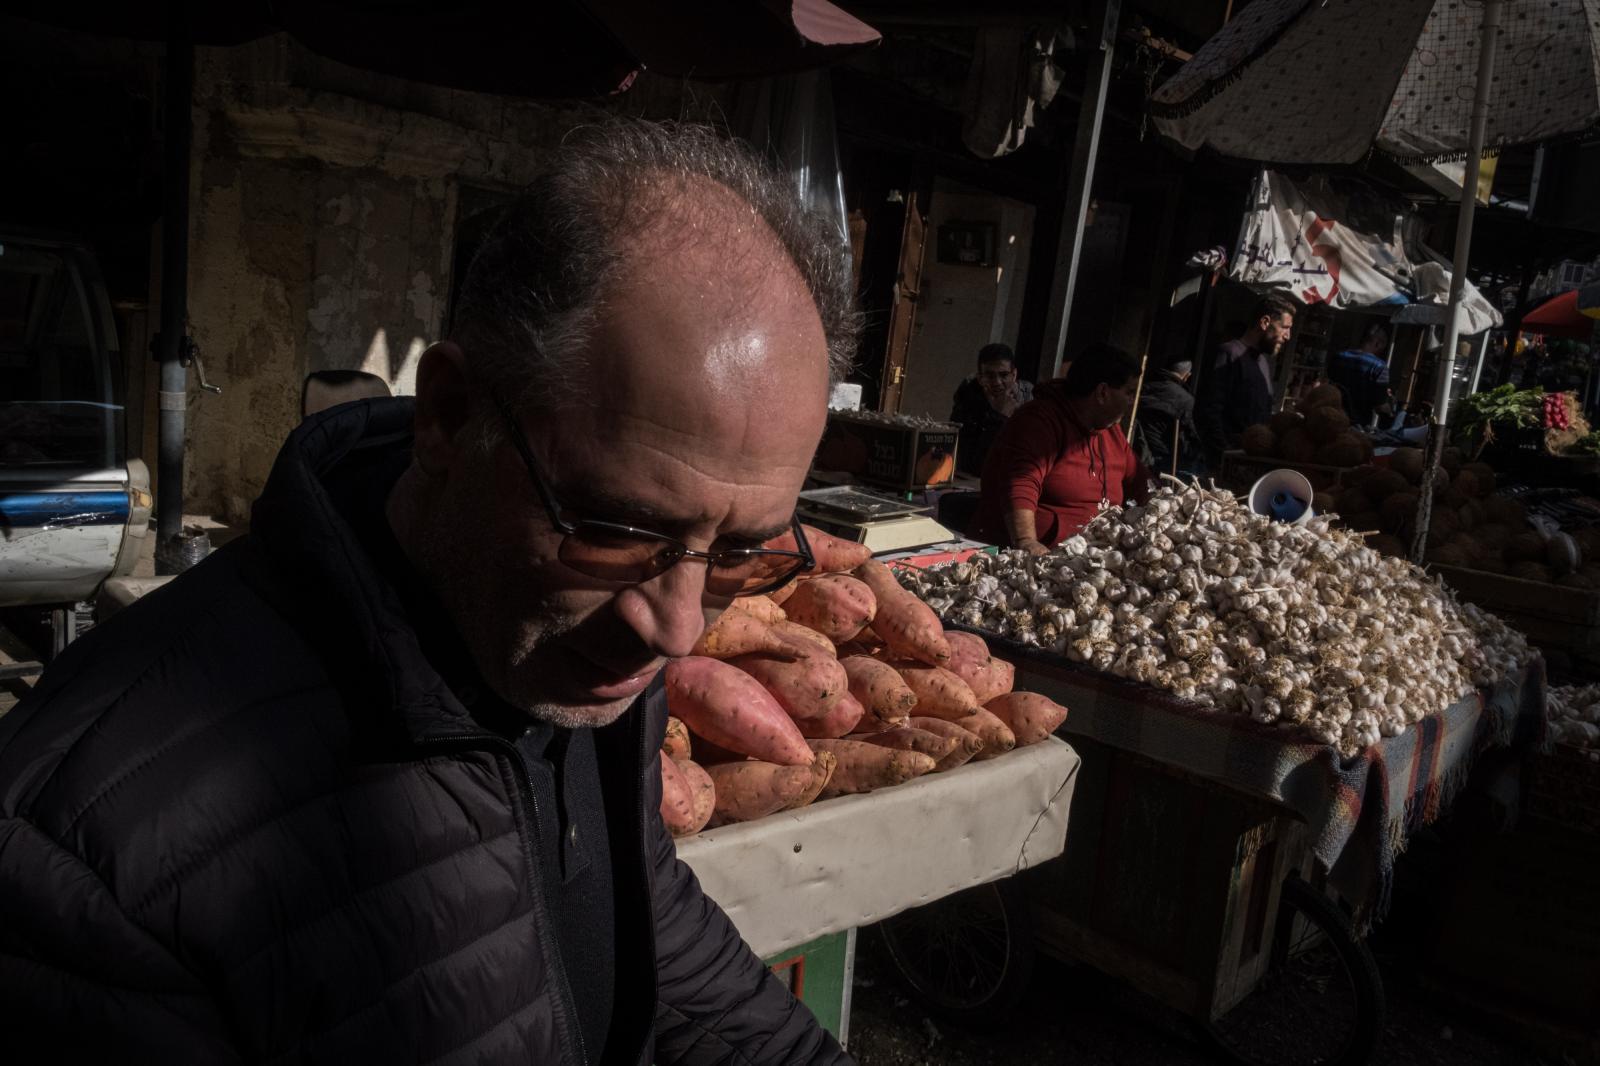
(997,375)
(629,555)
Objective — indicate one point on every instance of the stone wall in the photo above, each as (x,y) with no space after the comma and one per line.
(325,207)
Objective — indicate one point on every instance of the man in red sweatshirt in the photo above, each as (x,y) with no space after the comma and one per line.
(1063,457)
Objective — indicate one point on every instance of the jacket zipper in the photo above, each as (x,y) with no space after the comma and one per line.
(646,871)
(547,941)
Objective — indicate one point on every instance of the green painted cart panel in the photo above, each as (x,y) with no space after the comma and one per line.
(820,973)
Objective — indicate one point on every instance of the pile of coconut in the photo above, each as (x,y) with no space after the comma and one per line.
(1317,433)
(1298,625)
(1470,526)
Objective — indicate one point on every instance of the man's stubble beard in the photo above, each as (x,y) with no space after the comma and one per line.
(502,649)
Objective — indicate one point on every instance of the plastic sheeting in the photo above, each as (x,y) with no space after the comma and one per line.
(847,862)
(791,120)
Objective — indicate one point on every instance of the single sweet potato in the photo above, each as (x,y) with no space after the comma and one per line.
(833,556)
(971,661)
(753,789)
(805,688)
(869,724)
(996,680)
(677,801)
(968,743)
(986,726)
(727,706)
(821,773)
(741,633)
(836,723)
(905,623)
(760,606)
(939,693)
(910,738)
(869,639)
(676,745)
(703,791)
(864,767)
(707,753)
(879,687)
(1030,716)
(806,638)
(835,605)
(966,649)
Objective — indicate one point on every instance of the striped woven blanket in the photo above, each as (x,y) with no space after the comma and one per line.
(1358,811)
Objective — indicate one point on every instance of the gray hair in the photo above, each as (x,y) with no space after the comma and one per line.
(533,293)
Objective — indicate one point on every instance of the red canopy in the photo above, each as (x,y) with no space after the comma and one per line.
(1559,317)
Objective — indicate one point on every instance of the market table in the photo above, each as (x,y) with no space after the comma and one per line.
(1196,832)
(798,884)
(1357,812)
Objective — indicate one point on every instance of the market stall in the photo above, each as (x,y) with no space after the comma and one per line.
(1265,710)
(799,884)
(834,756)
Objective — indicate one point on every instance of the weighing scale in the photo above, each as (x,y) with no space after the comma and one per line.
(881,521)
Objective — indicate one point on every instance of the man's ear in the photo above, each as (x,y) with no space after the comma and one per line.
(444,407)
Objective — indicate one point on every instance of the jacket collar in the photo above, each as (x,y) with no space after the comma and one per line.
(319,573)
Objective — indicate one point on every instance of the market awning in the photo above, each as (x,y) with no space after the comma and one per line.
(558,48)
(1314,81)
(1561,317)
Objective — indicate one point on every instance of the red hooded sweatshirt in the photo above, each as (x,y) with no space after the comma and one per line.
(1047,462)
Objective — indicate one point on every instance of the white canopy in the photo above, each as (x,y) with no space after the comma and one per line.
(1324,246)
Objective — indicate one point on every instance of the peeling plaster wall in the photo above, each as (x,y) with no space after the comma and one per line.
(323,231)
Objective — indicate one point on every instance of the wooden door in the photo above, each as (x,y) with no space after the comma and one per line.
(907,286)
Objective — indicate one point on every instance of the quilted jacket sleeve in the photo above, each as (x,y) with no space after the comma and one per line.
(79,981)
(717,1003)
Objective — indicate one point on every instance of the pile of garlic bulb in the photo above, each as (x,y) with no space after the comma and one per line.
(895,418)
(1303,626)
(1574,713)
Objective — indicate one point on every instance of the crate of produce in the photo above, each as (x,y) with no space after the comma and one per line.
(1507,595)
(1240,471)
(1564,788)
(896,451)
(1554,617)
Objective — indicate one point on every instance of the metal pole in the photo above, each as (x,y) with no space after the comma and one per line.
(174,379)
(1477,367)
(1080,185)
(1458,273)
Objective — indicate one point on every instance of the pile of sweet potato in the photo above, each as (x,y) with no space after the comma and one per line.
(840,682)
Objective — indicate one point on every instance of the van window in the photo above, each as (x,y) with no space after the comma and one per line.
(59,403)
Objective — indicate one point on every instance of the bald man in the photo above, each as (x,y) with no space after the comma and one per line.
(380,781)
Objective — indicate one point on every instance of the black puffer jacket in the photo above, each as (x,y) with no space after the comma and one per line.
(245,821)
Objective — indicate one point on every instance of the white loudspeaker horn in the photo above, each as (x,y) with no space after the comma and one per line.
(1283,495)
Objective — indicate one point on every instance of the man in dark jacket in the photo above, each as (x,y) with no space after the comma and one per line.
(378,782)
(982,404)
(1236,389)
(1165,421)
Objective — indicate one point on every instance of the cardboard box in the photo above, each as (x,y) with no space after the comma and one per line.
(903,458)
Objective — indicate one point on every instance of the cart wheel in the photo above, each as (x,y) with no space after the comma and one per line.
(1320,1002)
(969,955)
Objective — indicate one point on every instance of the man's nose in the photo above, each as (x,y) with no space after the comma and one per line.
(666,612)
